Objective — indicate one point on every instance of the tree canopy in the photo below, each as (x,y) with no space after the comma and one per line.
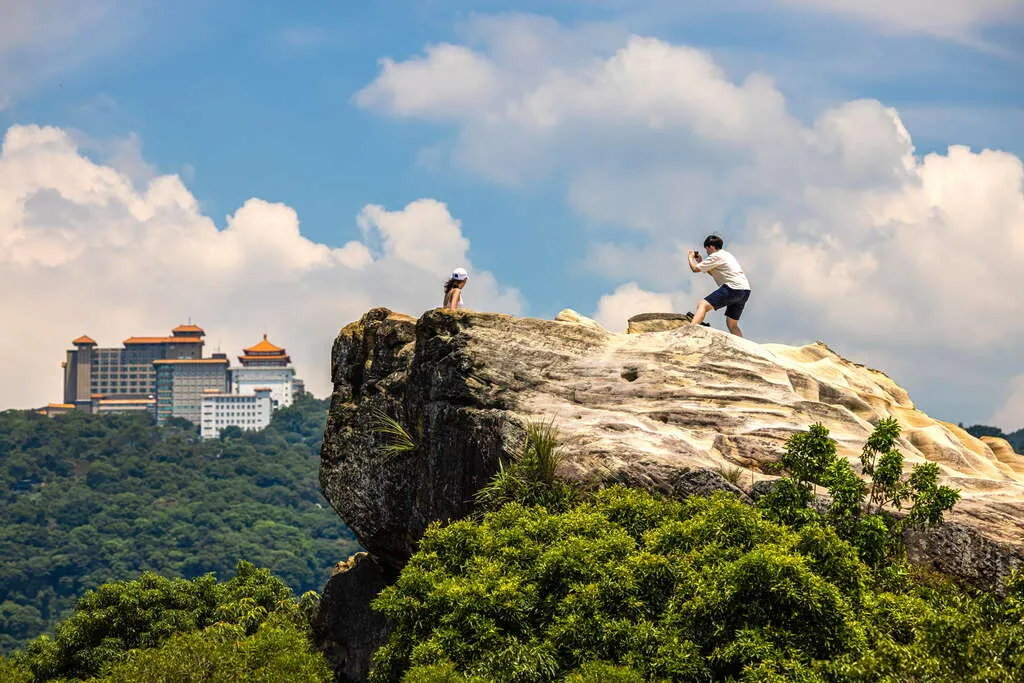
(554,583)
(158,629)
(89,499)
(627,587)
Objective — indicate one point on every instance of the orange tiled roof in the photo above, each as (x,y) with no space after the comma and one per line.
(281,358)
(264,347)
(189,328)
(170,361)
(161,340)
(84,339)
(61,405)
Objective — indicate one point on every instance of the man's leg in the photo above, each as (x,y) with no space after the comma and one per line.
(734,310)
(703,308)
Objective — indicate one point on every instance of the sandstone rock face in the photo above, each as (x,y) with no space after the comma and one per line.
(656,322)
(643,407)
(684,410)
(640,405)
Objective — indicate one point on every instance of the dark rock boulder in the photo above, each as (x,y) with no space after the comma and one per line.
(346,630)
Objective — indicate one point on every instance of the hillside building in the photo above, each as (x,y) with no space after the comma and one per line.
(181,384)
(168,377)
(265,365)
(247,412)
(93,374)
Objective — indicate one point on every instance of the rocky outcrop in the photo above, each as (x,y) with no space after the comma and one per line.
(656,322)
(347,630)
(671,411)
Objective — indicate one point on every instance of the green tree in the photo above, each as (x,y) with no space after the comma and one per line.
(627,587)
(277,651)
(696,590)
(861,512)
(91,499)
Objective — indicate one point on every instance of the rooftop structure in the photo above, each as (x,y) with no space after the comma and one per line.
(126,372)
(264,354)
(265,365)
(168,377)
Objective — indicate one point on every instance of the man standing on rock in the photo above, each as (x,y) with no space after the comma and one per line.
(733,287)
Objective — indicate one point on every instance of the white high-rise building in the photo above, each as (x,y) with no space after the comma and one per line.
(220,410)
(265,365)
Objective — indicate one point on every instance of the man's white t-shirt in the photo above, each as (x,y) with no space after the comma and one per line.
(725,269)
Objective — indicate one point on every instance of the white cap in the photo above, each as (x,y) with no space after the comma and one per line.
(460,274)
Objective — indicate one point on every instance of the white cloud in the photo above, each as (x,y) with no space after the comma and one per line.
(84,249)
(613,310)
(847,234)
(947,18)
(1010,417)
(449,80)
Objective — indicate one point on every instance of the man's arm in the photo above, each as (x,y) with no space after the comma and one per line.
(693,256)
(704,265)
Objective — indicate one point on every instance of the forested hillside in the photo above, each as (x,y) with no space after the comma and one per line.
(87,500)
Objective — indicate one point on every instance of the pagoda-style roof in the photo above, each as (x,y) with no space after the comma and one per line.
(281,360)
(84,340)
(264,347)
(162,340)
(188,330)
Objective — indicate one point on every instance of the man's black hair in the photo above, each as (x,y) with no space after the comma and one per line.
(713,241)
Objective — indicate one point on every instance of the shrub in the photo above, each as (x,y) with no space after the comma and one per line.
(623,583)
(530,478)
(278,650)
(144,613)
(623,586)
(860,512)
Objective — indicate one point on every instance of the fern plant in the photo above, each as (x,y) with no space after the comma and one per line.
(531,478)
(396,438)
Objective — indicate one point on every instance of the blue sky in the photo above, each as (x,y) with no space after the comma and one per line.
(261,99)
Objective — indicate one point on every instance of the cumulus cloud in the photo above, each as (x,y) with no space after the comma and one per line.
(1010,417)
(846,232)
(446,78)
(613,310)
(84,249)
(958,19)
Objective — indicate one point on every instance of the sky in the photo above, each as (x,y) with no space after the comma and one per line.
(280,168)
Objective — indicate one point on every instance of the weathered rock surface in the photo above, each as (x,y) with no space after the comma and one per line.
(346,629)
(656,322)
(670,411)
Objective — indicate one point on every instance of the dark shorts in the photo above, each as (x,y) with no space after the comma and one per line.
(733,299)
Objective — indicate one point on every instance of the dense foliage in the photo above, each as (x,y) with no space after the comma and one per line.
(556,584)
(1016,438)
(86,500)
(626,587)
(869,514)
(157,629)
